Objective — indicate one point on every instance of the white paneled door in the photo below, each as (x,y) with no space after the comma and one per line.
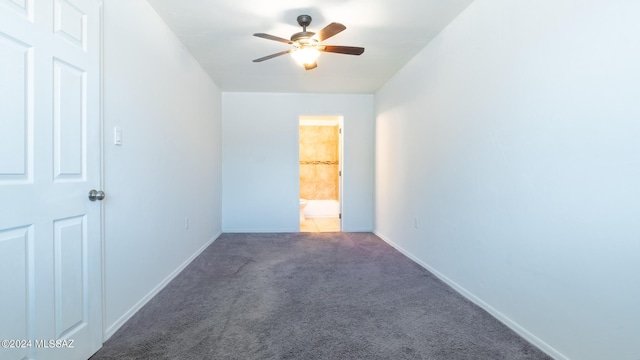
(50,246)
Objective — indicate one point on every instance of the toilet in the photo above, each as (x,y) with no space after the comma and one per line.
(303,204)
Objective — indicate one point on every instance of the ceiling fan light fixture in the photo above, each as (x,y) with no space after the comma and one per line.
(305,55)
(307,45)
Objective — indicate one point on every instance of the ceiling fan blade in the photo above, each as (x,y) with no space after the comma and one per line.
(349,50)
(311,66)
(274,38)
(273,55)
(329,31)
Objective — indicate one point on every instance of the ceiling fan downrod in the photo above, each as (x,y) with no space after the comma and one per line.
(304,36)
(304,21)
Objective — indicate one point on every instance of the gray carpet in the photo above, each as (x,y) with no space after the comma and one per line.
(310,296)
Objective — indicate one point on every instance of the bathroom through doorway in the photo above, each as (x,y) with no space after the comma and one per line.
(320,156)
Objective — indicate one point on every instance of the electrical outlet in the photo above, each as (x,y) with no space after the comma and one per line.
(186,223)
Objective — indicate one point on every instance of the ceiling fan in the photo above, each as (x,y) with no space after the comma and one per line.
(307,45)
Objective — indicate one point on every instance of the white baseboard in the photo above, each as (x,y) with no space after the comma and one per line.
(549,350)
(259,231)
(108,332)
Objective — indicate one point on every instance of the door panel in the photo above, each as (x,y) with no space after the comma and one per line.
(50,249)
(21,7)
(16,144)
(70,23)
(70,275)
(16,259)
(69,102)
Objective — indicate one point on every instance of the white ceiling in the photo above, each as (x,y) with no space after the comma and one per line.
(219,33)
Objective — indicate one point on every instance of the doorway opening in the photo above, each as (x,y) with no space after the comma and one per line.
(320,151)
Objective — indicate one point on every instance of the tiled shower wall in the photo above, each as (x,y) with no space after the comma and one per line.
(319,162)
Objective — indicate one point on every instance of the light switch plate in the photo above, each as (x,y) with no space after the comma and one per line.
(117,136)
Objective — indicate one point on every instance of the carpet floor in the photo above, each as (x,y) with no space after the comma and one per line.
(310,296)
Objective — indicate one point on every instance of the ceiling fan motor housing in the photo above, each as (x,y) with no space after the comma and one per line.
(304,37)
(304,21)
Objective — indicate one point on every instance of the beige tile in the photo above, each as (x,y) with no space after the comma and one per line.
(306,151)
(323,193)
(324,133)
(306,171)
(320,225)
(327,224)
(333,153)
(324,172)
(320,181)
(308,226)
(321,152)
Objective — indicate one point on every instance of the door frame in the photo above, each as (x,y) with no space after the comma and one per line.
(339,119)
(101,146)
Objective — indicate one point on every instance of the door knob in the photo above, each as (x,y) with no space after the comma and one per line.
(96,195)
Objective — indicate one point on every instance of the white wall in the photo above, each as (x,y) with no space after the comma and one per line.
(169,165)
(260,159)
(513,139)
